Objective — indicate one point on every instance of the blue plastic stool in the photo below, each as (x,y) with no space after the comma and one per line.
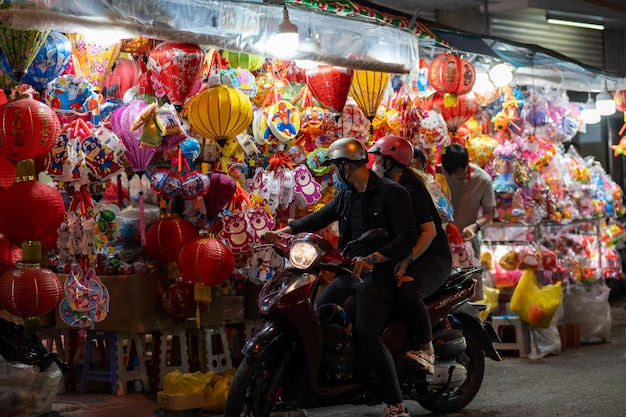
(109,374)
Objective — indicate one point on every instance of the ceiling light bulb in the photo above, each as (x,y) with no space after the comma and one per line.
(500,74)
(590,114)
(286,40)
(605,103)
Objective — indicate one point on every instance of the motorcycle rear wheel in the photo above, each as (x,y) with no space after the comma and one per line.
(438,402)
(253,392)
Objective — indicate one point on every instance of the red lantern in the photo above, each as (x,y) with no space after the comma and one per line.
(221,190)
(27,290)
(28,129)
(178,300)
(455,115)
(620,100)
(166,237)
(29,209)
(206,260)
(124,76)
(448,73)
(177,67)
(9,254)
(330,86)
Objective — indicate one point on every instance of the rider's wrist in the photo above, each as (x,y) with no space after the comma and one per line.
(373,259)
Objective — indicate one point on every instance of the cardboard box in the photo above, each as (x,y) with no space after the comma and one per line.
(180,402)
(224,309)
(134,304)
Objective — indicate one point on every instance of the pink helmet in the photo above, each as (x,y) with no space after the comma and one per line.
(396,147)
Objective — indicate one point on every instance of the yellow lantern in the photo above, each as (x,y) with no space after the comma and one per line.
(220,113)
(367,89)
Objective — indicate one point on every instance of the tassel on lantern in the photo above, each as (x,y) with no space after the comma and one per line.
(450,100)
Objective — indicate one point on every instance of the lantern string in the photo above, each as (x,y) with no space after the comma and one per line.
(142,217)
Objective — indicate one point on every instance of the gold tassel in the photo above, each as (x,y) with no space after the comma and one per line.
(450,100)
(202,293)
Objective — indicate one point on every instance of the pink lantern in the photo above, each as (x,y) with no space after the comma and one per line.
(121,120)
(177,66)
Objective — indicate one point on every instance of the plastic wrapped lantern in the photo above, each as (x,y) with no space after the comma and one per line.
(176,66)
(220,113)
(29,209)
(367,89)
(451,76)
(454,115)
(93,60)
(330,86)
(29,129)
(28,290)
(20,46)
(50,60)
(166,238)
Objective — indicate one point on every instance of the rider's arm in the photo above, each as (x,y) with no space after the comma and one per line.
(318,219)
(399,208)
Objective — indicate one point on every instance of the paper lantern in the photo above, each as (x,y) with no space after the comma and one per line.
(367,89)
(178,300)
(93,60)
(220,113)
(29,209)
(20,47)
(139,45)
(7,82)
(166,237)
(139,157)
(177,66)
(221,190)
(124,76)
(9,254)
(246,61)
(454,115)
(205,260)
(29,129)
(28,290)
(50,60)
(330,86)
(449,74)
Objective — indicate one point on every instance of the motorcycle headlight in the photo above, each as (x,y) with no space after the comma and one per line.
(303,253)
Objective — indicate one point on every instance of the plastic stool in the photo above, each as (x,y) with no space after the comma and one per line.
(521,343)
(217,351)
(109,374)
(173,353)
(131,365)
(53,340)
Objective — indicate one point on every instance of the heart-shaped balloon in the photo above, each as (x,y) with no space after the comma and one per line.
(194,184)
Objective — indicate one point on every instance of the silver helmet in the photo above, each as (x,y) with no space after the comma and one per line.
(350,149)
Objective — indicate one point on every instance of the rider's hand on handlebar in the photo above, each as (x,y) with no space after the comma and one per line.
(361,267)
(270,237)
(401,267)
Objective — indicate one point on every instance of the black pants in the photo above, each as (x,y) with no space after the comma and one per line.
(374,303)
(428,274)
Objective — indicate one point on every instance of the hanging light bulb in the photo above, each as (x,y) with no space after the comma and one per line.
(286,40)
(605,102)
(500,73)
(590,113)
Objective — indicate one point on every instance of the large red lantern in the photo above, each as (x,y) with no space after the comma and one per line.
(177,66)
(330,86)
(28,290)
(455,115)
(29,209)
(124,76)
(166,238)
(178,300)
(205,260)
(450,74)
(28,129)
(9,254)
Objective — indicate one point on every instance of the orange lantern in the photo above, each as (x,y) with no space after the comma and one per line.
(29,209)
(220,113)
(368,88)
(166,237)
(206,261)
(29,129)
(139,45)
(28,290)
(449,74)
(456,114)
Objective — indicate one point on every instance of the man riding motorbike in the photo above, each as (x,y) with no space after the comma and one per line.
(368,202)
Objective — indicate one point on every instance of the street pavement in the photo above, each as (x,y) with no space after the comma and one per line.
(587,381)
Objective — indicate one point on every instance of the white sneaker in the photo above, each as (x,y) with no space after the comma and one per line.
(421,359)
(394,411)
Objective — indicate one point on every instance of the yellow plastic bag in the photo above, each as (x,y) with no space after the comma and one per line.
(533,303)
(176,382)
(492,300)
(215,393)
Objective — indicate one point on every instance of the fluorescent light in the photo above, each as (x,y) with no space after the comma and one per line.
(574,23)
(605,103)
(590,114)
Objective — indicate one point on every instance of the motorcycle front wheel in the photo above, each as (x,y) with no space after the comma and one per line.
(254,390)
(474,361)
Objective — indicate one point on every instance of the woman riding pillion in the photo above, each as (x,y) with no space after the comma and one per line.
(429,263)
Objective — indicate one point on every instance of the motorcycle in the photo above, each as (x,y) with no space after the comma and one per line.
(290,356)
